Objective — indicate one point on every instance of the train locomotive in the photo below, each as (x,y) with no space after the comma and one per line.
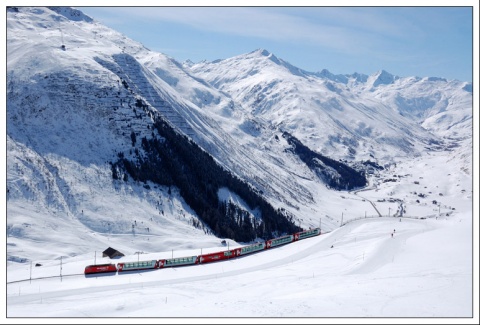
(203,258)
(100,268)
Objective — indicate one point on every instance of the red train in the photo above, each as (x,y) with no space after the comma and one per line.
(100,268)
(200,259)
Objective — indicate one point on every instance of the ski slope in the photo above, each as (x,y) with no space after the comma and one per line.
(357,277)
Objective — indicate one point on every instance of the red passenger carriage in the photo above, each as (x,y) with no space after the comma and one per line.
(218,256)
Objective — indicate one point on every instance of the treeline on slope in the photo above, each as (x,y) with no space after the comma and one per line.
(335,174)
(175,160)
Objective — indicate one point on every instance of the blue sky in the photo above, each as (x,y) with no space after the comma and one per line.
(405,41)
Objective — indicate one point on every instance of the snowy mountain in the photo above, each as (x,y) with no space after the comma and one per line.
(110,144)
(346,116)
(86,106)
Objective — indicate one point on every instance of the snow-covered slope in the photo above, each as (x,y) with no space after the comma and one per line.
(346,116)
(77,91)
(359,270)
(68,116)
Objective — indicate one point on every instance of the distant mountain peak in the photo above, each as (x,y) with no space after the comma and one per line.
(264,54)
(383,77)
(325,72)
(383,74)
(188,63)
(261,52)
(71,14)
(328,75)
(435,79)
(360,77)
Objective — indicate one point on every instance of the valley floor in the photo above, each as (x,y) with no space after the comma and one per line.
(358,270)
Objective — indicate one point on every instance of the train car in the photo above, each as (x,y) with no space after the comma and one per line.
(279,241)
(218,256)
(100,268)
(134,266)
(204,258)
(252,248)
(180,261)
(307,233)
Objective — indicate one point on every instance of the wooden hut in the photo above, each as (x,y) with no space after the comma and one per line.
(112,253)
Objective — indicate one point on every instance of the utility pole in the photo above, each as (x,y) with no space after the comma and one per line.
(63,44)
(61,268)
